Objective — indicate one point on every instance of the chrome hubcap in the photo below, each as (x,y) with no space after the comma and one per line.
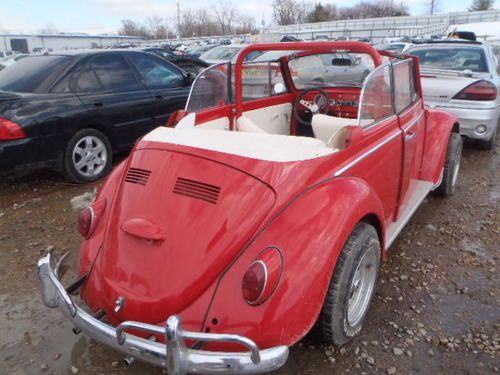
(89,156)
(362,287)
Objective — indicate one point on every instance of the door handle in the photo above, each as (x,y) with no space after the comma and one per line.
(158,97)
(97,104)
(410,136)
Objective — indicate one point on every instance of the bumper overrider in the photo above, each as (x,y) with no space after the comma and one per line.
(174,355)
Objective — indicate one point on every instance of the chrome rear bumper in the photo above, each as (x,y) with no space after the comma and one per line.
(174,356)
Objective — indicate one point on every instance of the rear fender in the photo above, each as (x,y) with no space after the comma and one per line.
(440,124)
(310,234)
(91,246)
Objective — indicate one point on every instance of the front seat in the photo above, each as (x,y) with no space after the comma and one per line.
(331,130)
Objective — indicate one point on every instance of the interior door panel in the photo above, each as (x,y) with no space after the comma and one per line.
(274,119)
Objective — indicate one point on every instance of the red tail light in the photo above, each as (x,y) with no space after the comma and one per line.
(9,130)
(480,90)
(89,218)
(262,277)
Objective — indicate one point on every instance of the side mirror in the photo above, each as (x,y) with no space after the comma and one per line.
(279,88)
(190,78)
(357,60)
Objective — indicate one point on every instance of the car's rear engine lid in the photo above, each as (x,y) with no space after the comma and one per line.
(177,222)
(260,146)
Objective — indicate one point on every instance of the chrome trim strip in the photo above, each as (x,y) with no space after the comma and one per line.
(175,356)
(363,156)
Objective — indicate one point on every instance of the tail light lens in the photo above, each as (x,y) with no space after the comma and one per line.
(262,277)
(89,218)
(480,90)
(9,130)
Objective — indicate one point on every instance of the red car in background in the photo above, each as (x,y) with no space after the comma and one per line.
(252,218)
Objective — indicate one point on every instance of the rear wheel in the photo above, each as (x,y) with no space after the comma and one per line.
(88,156)
(451,166)
(352,287)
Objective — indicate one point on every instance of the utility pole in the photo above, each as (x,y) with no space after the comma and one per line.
(178,18)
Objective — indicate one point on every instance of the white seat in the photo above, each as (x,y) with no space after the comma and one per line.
(331,130)
(244,124)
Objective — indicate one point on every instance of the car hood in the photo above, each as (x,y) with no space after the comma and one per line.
(178,220)
(442,86)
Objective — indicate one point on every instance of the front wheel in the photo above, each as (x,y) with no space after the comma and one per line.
(451,166)
(88,156)
(352,287)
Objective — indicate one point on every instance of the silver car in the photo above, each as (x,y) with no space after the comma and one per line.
(463,77)
(331,68)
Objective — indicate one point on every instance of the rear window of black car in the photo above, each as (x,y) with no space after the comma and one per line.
(32,74)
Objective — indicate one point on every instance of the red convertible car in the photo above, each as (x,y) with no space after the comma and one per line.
(263,209)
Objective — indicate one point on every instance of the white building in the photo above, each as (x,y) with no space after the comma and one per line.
(27,43)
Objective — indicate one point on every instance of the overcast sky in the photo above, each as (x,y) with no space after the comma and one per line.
(103,16)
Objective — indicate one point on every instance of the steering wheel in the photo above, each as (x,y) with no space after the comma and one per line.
(320,104)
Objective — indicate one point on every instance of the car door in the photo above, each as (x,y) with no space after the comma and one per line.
(115,98)
(378,153)
(411,118)
(167,84)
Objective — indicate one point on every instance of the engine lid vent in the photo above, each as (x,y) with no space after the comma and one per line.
(137,176)
(196,189)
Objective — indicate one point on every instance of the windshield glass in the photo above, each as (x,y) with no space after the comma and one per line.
(330,70)
(453,58)
(28,75)
(210,89)
(221,53)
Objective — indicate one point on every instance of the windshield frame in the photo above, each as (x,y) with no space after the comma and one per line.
(230,94)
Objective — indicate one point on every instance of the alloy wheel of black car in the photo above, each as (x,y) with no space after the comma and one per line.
(87,156)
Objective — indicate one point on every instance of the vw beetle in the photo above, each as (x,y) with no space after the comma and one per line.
(265,208)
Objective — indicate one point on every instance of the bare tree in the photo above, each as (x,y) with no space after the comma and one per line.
(285,12)
(157,27)
(205,22)
(482,5)
(132,28)
(226,15)
(49,28)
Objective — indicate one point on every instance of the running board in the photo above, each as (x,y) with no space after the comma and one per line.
(422,188)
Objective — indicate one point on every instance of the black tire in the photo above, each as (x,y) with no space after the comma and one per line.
(334,321)
(104,157)
(488,144)
(451,167)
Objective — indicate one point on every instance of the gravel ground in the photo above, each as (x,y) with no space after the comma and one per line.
(436,310)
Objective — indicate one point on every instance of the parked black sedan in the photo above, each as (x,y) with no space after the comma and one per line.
(71,112)
(188,63)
